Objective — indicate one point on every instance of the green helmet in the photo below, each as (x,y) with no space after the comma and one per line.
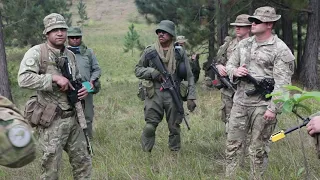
(167,26)
(74,31)
(17,146)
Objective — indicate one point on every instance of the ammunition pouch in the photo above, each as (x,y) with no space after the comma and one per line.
(183,88)
(146,90)
(33,111)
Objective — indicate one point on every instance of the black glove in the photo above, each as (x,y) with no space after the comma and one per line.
(191,105)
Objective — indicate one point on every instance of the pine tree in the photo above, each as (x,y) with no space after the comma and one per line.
(82,12)
(23,20)
(132,40)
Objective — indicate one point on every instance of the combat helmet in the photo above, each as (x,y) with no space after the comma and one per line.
(17,147)
(167,26)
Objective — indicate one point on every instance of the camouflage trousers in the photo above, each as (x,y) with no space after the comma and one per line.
(248,121)
(64,134)
(89,113)
(154,111)
(226,106)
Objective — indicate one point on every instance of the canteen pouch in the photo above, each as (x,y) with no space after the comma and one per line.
(148,88)
(184,90)
(48,115)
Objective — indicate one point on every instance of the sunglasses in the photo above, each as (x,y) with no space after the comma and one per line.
(74,37)
(161,31)
(256,21)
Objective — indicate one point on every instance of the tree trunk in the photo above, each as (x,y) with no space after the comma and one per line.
(211,41)
(287,33)
(4,77)
(309,75)
(299,47)
(222,28)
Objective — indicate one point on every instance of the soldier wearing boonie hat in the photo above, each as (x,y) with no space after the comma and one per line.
(265,14)
(155,101)
(51,112)
(242,30)
(262,56)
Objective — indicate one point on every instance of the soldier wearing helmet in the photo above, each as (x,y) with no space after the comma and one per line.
(52,114)
(158,102)
(17,146)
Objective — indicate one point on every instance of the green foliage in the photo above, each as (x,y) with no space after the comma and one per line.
(293,101)
(23,20)
(132,40)
(82,12)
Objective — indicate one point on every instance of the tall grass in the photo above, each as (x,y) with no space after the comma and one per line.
(119,121)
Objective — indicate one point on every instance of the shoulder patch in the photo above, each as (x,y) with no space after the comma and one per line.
(30,62)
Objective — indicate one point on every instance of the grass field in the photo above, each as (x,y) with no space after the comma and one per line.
(119,118)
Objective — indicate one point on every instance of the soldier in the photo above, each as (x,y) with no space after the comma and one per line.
(17,147)
(159,101)
(89,70)
(262,56)
(194,60)
(242,28)
(57,124)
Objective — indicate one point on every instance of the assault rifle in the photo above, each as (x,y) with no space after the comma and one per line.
(168,83)
(72,95)
(263,87)
(225,81)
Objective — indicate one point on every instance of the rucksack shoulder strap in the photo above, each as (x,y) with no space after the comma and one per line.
(44,58)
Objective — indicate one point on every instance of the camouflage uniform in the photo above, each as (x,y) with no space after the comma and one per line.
(159,101)
(223,56)
(89,70)
(63,133)
(17,147)
(270,59)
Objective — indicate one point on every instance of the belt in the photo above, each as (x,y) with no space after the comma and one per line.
(65,113)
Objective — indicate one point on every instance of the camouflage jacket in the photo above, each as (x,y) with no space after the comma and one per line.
(223,56)
(270,59)
(145,68)
(30,77)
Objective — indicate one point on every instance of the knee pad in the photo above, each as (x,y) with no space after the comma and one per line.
(149,130)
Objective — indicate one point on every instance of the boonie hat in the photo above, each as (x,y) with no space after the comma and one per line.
(181,39)
(265,14)
(242,20)
(54,21)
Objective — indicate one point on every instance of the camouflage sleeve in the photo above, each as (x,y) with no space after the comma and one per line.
(222,54)
(282,71)
(28,76)
(191,85)
(232,64)
(142,69)
(95,68)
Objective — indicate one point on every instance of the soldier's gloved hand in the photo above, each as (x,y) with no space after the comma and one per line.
(191,104)
(156,75)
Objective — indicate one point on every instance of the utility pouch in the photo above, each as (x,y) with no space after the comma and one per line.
(48,115)
(141,92)
(148,88)
(33,111)
(184,90)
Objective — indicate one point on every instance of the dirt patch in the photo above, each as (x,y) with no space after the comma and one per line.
(110,11)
